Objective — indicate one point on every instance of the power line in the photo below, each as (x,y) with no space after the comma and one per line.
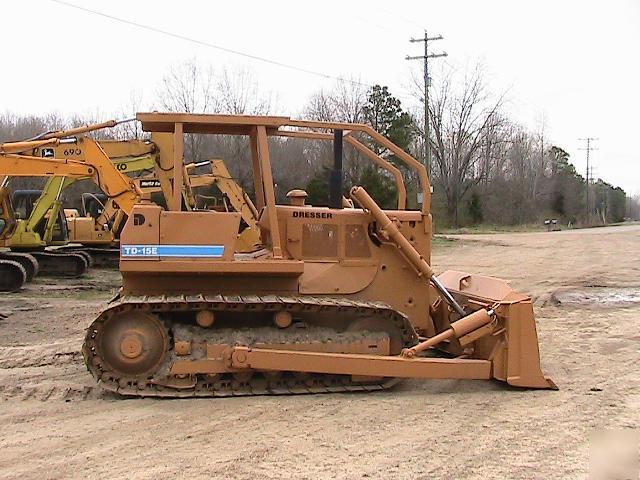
(425,58)
(207,44)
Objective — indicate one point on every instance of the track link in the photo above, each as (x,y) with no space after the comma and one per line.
(100,257)
(28,262)
(12,276)
(61,264)
(245,383)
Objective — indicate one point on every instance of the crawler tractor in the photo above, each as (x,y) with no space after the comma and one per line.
(336,298)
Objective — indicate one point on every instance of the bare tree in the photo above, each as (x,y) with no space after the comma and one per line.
(633,207)
(465,125)
(189,88)
(344,102)
(238,93)
(130,130)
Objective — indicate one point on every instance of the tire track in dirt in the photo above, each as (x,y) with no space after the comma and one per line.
(50,371)
(47,354)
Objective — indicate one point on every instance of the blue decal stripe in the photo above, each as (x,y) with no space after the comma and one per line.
(137,251)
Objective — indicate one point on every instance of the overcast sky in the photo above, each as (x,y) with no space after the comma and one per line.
(574,63)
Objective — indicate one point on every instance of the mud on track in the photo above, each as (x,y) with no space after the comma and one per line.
(57,424)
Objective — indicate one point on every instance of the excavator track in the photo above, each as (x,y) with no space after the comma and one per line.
(28,262)
(304,334)
(100,257)
(61,264)
(12,276)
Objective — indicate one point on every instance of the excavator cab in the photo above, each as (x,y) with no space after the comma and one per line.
(93,204)
(25,201)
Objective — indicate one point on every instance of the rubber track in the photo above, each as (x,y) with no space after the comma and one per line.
(259,384)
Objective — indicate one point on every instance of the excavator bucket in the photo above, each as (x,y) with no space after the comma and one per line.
(511,341)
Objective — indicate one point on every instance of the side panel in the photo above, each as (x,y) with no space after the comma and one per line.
(153,234)
(142,228)
(342,257)
(83,229)
(201,228)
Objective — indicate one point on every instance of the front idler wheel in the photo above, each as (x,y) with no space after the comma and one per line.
(133,344)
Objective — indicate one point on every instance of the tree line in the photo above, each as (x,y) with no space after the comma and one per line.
(486,168)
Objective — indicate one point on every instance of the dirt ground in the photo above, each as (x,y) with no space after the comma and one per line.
(57,424)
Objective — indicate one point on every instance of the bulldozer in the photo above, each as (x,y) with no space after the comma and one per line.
(339,298)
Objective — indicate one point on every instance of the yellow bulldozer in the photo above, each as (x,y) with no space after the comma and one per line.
(337,298)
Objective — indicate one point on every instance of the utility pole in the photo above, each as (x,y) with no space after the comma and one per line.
(425,58)
(588,150)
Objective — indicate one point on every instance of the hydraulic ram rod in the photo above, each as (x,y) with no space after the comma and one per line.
(389,228)
(80,130)
(458,328)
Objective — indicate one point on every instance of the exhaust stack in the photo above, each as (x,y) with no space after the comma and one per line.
(335,181)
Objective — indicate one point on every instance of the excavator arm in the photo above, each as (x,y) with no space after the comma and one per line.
(7,216)
(128,156)
(235,194)
(96,166)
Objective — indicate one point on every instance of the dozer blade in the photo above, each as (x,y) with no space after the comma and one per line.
(511,342)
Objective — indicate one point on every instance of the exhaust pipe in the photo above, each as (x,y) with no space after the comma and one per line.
(335,181)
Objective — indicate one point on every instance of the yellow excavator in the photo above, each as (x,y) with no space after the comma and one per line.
(98,167)
(40,220)
(41,223)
